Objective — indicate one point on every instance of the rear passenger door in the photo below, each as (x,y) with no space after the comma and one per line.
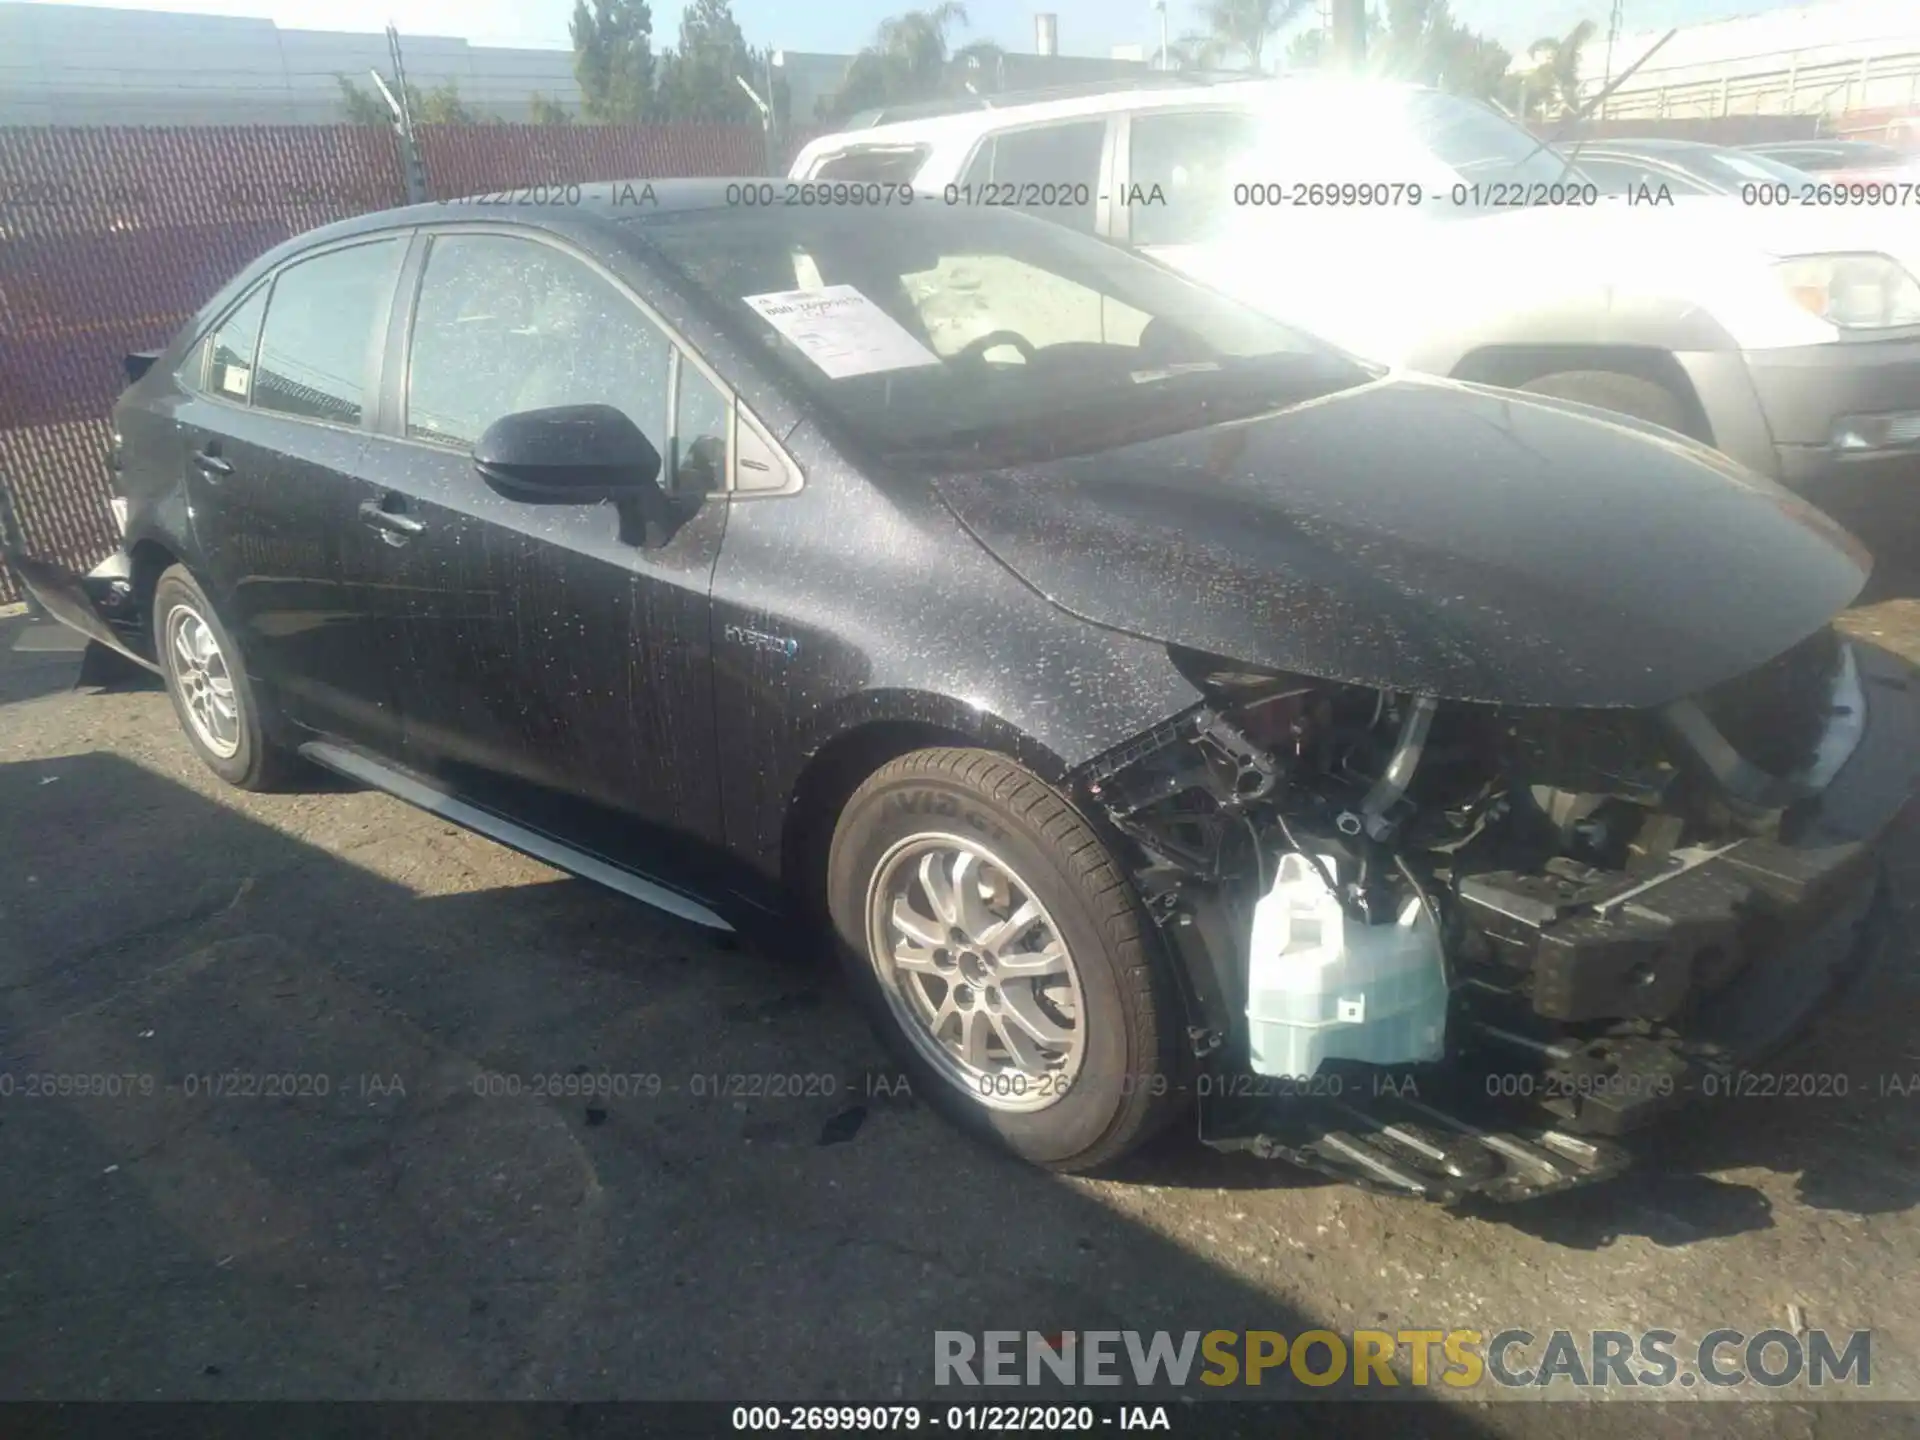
(549,652)
(275,436)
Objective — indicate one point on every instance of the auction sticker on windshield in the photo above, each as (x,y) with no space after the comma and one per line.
(842,331)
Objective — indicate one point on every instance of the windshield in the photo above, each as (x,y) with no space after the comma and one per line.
(1479,144)
(986,337)
(1357,131)
(1411,153)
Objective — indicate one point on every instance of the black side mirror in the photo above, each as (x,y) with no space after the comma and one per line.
(568,455)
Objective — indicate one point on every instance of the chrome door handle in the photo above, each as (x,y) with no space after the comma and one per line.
(391,522)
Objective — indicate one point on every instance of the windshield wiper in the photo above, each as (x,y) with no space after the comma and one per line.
(1129,417)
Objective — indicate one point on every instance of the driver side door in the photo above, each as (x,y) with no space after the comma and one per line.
(556,660)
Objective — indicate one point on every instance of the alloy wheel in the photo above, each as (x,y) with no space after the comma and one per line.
(976,971)
(205,684)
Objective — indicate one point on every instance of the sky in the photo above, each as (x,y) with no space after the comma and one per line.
(1087,27)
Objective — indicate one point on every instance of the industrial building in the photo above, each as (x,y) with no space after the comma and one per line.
(1834,59)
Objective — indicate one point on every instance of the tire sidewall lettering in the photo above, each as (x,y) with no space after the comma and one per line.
(932,803)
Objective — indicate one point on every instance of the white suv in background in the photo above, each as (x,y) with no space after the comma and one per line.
(1787,337)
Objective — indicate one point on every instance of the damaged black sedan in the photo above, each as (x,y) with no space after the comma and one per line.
(1165,713)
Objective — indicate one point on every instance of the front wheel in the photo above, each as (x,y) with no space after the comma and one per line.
(1004,957)
(212,696)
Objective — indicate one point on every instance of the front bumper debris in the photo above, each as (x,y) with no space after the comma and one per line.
(1417,1135)
(98,606)
(1520,1109)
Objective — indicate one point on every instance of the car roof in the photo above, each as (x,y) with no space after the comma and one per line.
(602,200)
(969,125)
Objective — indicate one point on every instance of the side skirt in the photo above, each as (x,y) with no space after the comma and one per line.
(514,836)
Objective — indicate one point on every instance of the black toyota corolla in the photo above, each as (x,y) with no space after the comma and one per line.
(1161,711)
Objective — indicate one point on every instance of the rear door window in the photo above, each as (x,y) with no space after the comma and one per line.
(324,320)
(222,363)
(895,163)
(1052,171)
(231,347)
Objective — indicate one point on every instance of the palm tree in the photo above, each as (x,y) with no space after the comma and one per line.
(913,46)
(1242,27)
(909,59)
(1192,51)
(1555,78)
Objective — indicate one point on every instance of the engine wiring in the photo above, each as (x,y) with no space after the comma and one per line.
(1312,859)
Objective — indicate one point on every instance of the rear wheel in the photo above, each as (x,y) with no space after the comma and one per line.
(208,684)
(1611,390)
(1004,957)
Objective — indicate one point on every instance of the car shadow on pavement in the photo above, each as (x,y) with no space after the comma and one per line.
(37,658)
(299,1130)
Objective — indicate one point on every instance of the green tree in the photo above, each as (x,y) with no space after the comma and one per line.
(363,107)
(699,81)
(613,59)
(1553,85)
(1241,28)
(441,105)
(548,112)
(1306,51)
(1313,47)
(909,60)
(1421,41)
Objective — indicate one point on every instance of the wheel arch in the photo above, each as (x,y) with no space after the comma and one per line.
(151,559)
(885,726)
(1514,365)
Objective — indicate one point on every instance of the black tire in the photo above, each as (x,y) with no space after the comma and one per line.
(1128,1080)
(257,762)
(1611,390)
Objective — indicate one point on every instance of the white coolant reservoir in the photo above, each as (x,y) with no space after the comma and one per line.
(1324,986)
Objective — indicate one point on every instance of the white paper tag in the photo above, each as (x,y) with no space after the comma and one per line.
(235,379)
(842,331)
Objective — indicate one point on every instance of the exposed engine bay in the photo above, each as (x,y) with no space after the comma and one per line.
(1394,912)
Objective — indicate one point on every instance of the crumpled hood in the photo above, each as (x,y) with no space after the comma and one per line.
(1421,535)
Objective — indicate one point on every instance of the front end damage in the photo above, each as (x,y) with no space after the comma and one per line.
(1449,949)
